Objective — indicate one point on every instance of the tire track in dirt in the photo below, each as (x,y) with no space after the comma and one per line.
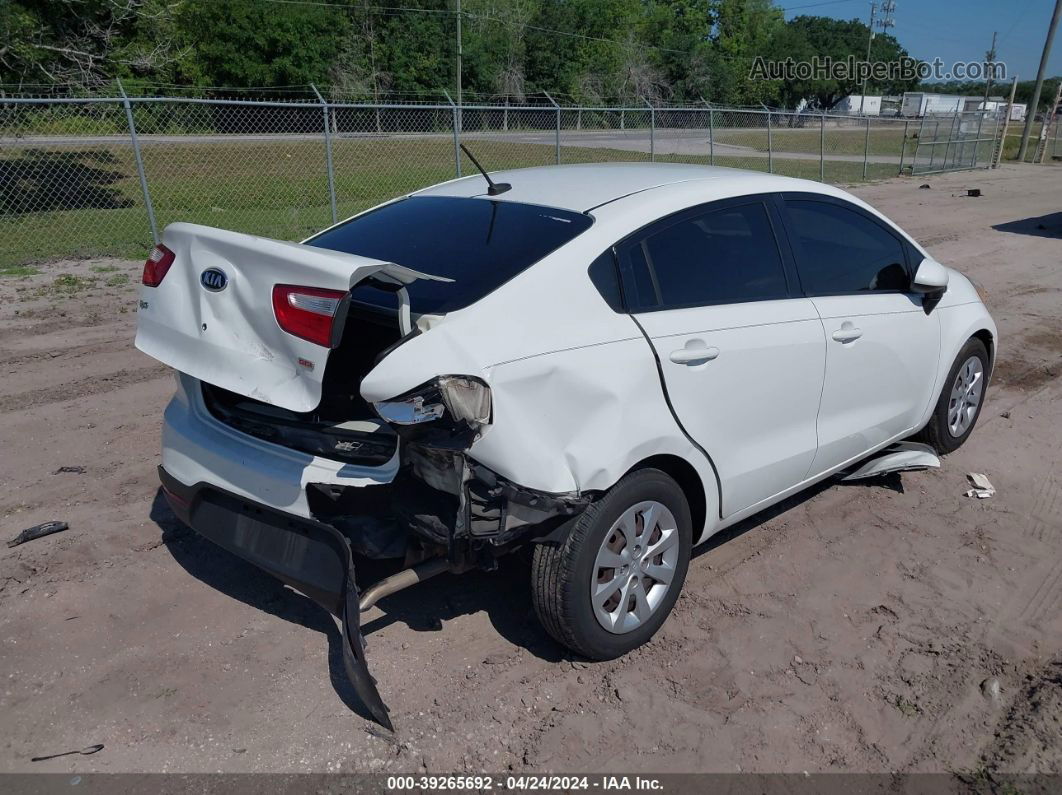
(1046,513)
(81,388)
(67,324)
(61,353)
(1047,598)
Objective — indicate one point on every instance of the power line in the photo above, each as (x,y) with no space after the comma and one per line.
(816,5)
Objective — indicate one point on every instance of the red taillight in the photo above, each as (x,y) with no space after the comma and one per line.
(307,312)
(158,263)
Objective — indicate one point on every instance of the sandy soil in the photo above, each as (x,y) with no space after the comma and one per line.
(893,626)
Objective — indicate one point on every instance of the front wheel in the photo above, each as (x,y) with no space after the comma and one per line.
(960,401)
(610,585)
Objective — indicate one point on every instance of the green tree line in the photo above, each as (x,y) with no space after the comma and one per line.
(585,51)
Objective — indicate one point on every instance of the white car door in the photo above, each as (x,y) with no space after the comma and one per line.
(741,360)
(882,345)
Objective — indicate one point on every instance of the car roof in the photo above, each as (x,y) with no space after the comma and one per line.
(582,187)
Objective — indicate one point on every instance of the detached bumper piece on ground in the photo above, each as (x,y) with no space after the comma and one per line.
(309,556)
(316,558)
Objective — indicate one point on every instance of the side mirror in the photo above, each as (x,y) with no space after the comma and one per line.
(931,277)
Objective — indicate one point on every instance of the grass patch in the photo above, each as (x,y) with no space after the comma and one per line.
(66,285)
(907,708)
(117,280)
(18,270)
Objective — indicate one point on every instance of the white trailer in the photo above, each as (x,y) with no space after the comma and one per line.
(919,103)
(857,103)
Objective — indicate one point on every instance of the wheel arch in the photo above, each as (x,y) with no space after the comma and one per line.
(688,479)
(989,341)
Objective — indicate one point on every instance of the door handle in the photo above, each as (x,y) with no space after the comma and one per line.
(849,334)
(693,355)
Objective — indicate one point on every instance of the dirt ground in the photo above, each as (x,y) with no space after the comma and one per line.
(892,626)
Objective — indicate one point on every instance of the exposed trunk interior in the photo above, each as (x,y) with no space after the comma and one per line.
(343,426)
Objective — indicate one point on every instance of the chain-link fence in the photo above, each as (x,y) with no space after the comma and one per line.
(954,141)
(103,176)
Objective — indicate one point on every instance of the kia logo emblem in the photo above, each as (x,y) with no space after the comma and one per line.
(214,279)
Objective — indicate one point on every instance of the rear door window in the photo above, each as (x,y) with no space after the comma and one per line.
(840,250)
(725,255)
(479,243)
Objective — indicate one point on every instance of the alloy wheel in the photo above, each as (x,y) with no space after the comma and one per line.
(634,567)
(966,395)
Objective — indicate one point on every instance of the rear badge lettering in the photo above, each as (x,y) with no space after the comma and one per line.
(214,279)
(307,364)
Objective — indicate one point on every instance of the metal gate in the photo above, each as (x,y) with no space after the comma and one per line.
(955,141)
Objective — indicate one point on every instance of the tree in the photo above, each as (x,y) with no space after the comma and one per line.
(88,42)
(496,45)
(243,43)
(805,37)
(743,29)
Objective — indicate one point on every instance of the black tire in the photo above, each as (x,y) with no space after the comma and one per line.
(561,573)
(937,434)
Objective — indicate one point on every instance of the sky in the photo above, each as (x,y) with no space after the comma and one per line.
(959,30)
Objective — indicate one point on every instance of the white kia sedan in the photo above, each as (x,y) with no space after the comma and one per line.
(609,363)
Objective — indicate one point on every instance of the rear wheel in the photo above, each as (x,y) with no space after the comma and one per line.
(610,585)
(961,399)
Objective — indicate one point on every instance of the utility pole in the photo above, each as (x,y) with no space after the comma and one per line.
(990,64)
(459,53)
(1030,115)
(888,8)
(870,40)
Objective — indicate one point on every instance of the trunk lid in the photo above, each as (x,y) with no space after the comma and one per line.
(221,328)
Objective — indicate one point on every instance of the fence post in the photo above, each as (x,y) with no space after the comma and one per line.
(951,136)
(977,140)
(652,130)
(770,146)
(903,146)
(822,147)
(918,145)
(139,165)
(711,136)
(328,152)
(457,135)
(558,109)
(866,148)
(933,146)
(997,155)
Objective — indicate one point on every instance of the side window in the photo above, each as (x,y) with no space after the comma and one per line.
(842,251)
(723,256)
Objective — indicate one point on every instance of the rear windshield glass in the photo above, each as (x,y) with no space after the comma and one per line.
(478,243)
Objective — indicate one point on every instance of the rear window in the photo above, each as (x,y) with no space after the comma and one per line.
(478,243)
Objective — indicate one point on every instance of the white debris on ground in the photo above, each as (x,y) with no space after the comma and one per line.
(982,486)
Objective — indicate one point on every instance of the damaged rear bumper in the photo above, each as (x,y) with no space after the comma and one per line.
(446,497)
(310,556)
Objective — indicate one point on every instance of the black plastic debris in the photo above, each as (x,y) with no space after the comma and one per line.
(924,186)
(974,192)
(92,749)
(37,531)
(70,470)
